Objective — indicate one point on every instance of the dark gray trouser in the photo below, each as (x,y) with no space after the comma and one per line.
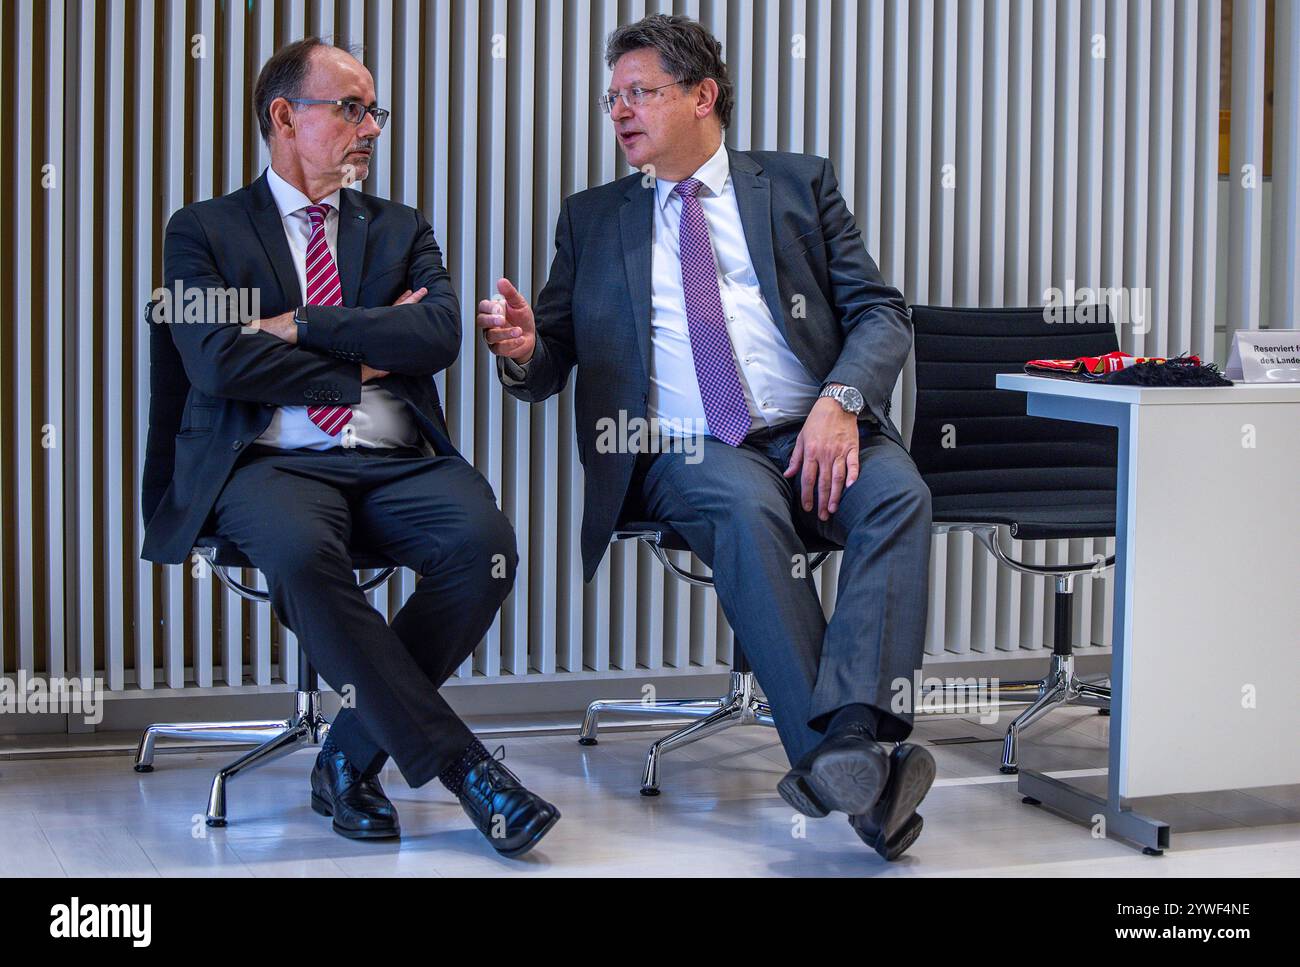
(294,514)
(744,519)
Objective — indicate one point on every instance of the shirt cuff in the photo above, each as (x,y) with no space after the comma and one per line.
(512,374)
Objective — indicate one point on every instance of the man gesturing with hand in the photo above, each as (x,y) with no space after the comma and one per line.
(728,293)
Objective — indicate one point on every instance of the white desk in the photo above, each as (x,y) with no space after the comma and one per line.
(1205,670)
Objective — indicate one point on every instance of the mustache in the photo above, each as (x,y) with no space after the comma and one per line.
(367,144)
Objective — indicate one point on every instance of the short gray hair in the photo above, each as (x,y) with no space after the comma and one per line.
(284,76)
(686,50)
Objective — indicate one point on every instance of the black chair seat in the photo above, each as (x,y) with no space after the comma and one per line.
(226,554)
(671,540)
(1034,515)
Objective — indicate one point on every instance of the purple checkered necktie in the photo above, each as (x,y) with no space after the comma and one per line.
(706,322)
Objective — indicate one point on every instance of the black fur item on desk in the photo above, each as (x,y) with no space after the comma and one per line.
(1179,371)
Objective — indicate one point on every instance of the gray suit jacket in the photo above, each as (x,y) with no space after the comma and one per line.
(594,312)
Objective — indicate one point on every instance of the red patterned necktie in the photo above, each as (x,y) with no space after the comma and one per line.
(323,289)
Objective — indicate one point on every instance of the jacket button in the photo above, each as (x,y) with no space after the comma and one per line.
(237,445)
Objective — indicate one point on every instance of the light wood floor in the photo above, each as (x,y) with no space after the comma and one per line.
(719,815)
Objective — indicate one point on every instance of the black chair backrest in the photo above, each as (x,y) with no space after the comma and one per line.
(168,389)
(970,437)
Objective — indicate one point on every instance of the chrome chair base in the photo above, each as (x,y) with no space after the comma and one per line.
(1060,687)
(307,726)
(742,705)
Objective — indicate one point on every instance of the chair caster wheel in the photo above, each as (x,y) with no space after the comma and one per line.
(583,740)
(1103,711)
(1031,801)
(1152,851)
(216,823)
(143,768)
(1009,770)
(649,790)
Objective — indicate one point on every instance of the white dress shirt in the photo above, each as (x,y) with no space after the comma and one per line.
(380,419)
(778,388)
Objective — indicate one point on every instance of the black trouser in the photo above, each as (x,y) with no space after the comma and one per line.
(295,513)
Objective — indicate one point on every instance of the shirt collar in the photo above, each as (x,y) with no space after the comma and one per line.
(713,174)
(290,200)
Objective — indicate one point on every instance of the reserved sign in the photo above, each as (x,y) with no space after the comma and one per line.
(1264,356)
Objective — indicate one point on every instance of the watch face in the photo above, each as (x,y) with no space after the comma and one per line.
(852,399)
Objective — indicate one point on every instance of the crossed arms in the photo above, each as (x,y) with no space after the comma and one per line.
(279,362)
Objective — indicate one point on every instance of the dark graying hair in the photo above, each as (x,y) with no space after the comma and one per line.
(686,50)
(284,76)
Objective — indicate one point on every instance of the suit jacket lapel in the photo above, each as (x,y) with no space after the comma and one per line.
(270,230)
(353,228)
(754,199)
(636,220)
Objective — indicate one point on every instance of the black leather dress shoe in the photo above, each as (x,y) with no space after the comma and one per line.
(358,805)
(848,771)
(893,824)
(512,818)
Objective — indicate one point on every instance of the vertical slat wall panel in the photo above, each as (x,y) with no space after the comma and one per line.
(1206,193)
(56,455)
(988,150)
(24,354)
(1138,110)
(7,308)
(83,282)
(232,605)
(1246,167)
(143,32)
(113,500)
(1284,302)
(1182,204)
(1161,160)
(1115,146)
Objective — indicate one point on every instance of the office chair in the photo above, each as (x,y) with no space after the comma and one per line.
(307,724)
(168,389)
(989,465)
(743,704)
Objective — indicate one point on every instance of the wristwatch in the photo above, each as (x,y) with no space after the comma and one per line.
(300,323)
(847,396)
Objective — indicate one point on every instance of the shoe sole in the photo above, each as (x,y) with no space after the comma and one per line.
(532,840)
(913,775)
(794,789)
(850,780)
(321,806)
(891,849)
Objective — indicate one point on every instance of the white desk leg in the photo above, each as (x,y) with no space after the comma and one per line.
(1121,822)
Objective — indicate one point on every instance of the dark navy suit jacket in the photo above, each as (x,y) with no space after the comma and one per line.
(849,326)
(214,387)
